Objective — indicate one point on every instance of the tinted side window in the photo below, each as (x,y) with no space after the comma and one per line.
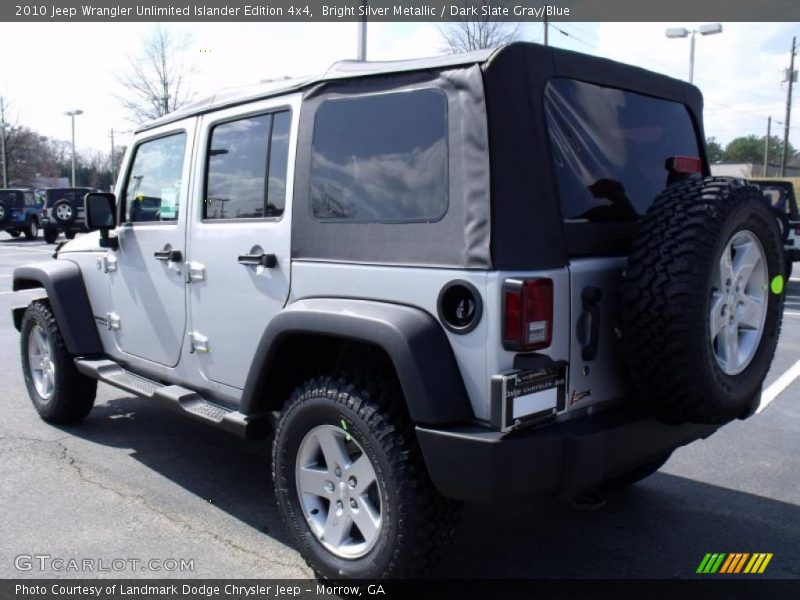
(152,192)
(609,148)
(381,158)
(278,163)
(246,176)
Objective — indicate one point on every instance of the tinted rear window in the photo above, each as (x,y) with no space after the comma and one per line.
(11,198)
(74,195)
(381,158)
(609,148)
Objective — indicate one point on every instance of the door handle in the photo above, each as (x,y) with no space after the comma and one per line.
(168,255)
(261,259)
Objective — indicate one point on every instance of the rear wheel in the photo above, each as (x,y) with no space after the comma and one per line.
(60,394)
(32,230)
(351,482)
(70,235)
(14,233)
(50,235)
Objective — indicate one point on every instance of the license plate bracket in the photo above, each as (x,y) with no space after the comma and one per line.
(523,398)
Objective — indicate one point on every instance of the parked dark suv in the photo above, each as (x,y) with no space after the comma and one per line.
(63,212)
(20,213)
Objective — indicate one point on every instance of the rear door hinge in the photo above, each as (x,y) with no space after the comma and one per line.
(199,343)
(113,322)
(195,272)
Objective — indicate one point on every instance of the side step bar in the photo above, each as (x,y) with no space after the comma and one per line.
(186,400)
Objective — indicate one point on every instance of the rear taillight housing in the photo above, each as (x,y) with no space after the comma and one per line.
(686,165)
(527,314)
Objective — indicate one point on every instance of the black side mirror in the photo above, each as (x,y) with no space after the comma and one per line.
(100,211)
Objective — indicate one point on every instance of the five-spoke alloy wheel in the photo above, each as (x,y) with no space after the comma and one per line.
(40,362)
(338,492)
(739,305)
(351,482)
(60,394)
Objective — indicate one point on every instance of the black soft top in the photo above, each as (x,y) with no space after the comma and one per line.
(504,210)
(71,194)
(527,225)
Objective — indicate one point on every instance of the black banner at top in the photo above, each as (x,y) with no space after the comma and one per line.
(398,10)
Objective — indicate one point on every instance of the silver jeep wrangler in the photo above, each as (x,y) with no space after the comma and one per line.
(483,277)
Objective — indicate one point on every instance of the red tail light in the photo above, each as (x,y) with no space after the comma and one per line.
(528,308)
(685,164)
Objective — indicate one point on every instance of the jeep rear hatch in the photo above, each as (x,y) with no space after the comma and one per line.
(613,152)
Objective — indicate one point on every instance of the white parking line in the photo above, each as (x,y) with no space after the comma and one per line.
(791,313)
(15,248)
(778,386)
(40,290)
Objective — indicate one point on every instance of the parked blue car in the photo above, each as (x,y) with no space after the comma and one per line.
(20,212)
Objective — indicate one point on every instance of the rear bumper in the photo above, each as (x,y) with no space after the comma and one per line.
(77,225)
(562,459)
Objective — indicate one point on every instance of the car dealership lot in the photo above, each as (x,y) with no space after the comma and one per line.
(138,481)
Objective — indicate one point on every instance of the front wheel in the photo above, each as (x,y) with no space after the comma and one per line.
(60,394)
(14,233)
(352,485)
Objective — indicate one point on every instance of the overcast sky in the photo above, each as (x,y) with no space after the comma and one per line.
(48,68)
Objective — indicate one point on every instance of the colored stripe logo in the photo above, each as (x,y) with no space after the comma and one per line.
(734,563)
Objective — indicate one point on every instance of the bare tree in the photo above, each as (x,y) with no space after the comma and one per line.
(156,79)
(475,33)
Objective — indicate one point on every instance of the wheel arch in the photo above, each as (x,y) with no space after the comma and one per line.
(318,334)
(66,292)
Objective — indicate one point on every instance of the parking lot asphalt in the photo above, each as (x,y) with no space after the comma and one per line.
(137,481)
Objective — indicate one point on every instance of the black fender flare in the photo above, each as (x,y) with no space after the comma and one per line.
(414,341)
(63,282)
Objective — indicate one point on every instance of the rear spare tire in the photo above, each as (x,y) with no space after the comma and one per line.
(702,301)
(63,212)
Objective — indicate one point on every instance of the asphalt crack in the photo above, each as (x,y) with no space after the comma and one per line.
(76,467)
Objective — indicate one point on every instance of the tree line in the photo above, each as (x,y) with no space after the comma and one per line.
(750,149)
(32,157)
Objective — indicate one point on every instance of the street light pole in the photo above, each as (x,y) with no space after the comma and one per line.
(72,114)
(362,33)
(3,141)
(788,119)
(682,32)
(113,158)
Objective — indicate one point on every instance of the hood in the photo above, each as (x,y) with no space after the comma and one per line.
(89,242)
